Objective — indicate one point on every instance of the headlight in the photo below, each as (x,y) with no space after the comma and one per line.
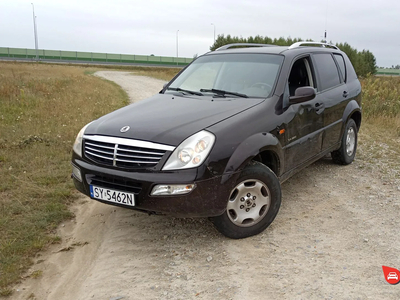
(78,141)
(191,152)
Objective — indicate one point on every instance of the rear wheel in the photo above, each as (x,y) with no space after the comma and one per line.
(347,151)
(253,203)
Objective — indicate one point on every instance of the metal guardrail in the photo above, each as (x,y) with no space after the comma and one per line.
(76,56)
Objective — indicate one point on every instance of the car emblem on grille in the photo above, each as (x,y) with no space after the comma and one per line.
(125,129)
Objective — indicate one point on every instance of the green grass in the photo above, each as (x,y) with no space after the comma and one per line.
(42,108)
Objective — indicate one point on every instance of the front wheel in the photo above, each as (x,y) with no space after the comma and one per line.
(253,203)
(347,151)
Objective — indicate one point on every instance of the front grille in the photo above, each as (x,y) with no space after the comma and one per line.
(114,184)
(123,153)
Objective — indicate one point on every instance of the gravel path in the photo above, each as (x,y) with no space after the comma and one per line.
(137,87)
(336,228)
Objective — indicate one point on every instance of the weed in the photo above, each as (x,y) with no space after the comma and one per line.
(5,292)
(381,96)
(37,274)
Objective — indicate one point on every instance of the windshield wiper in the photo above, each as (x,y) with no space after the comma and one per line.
(185,91)
(223,93)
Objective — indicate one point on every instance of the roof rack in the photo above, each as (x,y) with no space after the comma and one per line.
(244,45)
(324,45)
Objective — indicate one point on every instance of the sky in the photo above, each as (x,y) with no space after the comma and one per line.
(165,27)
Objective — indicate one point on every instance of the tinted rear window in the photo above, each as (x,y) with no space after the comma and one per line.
(327,71)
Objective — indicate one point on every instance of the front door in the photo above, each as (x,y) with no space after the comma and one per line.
(304,125)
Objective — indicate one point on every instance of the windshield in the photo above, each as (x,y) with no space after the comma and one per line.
(229,75)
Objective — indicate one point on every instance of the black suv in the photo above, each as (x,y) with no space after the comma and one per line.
(222,135)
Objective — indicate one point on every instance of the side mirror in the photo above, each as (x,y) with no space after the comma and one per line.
(302,94)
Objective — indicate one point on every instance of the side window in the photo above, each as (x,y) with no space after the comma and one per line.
(342,66)
(300,75)
(327,71)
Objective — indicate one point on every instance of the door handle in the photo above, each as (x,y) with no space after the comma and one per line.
(319,105)
(345,94)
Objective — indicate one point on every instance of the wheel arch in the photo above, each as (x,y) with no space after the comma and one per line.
(352,111)
(261,147)
(269,158)
(356,116)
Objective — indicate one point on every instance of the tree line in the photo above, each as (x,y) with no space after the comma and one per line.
(364,61)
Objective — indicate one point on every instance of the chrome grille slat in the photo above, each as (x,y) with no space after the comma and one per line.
(100,146)
(134,162)
(99,151)
(142,152)
(145,157)
(100,156)
(124,153)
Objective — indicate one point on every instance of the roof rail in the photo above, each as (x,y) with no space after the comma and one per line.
(324,45)
(244,45)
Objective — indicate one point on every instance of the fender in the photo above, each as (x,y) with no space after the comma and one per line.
(350,109)
(248,149)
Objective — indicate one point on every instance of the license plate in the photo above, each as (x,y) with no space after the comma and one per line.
(112,195)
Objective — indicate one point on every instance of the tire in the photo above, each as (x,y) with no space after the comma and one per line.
(347,151)
(252,205)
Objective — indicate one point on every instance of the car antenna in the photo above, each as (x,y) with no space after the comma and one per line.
(326,21)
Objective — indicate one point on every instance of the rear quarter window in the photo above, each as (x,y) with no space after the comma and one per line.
(341,64)
(351,73)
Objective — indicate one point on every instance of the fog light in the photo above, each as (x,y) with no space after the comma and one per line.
(172,189)
(76,173)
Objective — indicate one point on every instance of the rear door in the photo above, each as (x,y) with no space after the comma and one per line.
(332,94)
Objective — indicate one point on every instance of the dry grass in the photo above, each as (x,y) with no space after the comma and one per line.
(381,102)
(42,108)
(379,141)
(160,73)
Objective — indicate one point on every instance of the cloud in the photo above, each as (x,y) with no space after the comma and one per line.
(150,27)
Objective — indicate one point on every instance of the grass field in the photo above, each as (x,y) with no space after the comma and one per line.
(381,102)
(42,108)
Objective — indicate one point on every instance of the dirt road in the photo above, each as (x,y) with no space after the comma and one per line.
(336,228)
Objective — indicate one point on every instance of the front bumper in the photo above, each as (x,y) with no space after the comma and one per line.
(208,199)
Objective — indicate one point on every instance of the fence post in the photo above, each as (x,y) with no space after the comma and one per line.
(76,55)
(26,52)
(60,54)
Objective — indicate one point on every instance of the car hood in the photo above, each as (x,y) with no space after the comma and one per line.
(169,119)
